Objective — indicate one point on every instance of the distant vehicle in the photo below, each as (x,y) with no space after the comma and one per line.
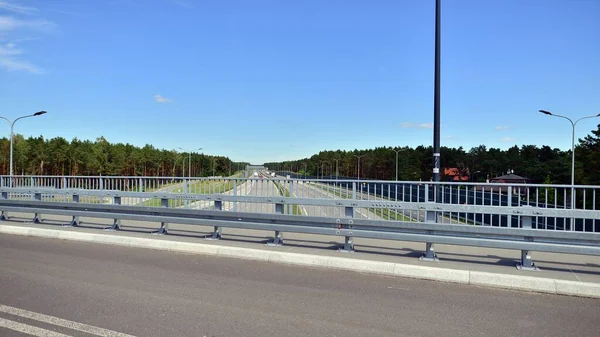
(272,174)
(256,174)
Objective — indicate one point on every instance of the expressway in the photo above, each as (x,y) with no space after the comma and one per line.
(63,288)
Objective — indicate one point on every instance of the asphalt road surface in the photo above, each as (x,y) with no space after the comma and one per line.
(59,288)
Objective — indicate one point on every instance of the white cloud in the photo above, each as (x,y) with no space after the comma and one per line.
(507,139)
(162,99)
(450,137)
(12,27)
(420,126)
(500,128)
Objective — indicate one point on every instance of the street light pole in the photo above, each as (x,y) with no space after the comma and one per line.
(12,126)
(189,162)
(573,124)
(436,95)
(397,151)
(358,173)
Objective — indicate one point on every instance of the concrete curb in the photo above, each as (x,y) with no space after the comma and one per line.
(505,281)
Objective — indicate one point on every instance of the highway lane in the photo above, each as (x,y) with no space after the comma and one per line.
(154,293)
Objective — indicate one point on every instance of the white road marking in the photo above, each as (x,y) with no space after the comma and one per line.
(28,329)
(61,322)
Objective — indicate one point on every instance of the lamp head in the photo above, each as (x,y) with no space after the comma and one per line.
(39,113)
(546,112)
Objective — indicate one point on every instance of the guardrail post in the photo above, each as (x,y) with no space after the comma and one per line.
(348,240)
(75,221)
(278,238)
(164,226)
(430,255)
(217,230)
(526,263)
(37,217)
(116,222)
(4,215)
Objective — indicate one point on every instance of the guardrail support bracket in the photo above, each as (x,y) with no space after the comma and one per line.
(74,222)
(277,239)
(4,216)
(429,254)
(163,230)
(526,262)
(37,218)
(116,222)
(216,234)
(348,245)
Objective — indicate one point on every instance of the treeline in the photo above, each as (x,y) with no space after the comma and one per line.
(58,156)
(539,164)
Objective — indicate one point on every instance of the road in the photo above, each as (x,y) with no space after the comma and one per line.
(153,293)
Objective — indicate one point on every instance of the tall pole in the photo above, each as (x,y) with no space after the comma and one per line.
(12,126)
(358,173)
(573,124)
(189,163)
(436,96)
(397,151)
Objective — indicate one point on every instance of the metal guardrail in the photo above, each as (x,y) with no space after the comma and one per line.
(272,209)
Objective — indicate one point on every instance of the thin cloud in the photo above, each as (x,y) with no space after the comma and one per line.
(420,126)
(162,99)
(507,139)
(17,9)
(500,128)
(11,60)
(12,27)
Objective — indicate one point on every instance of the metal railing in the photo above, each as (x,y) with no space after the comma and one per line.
(524,217)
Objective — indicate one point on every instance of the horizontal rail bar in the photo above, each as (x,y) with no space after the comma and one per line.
(45,207)
(394,205)
(399,236)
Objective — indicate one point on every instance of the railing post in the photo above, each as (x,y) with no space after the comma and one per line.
(37,217)
(508,203)
(235,194)
(278,238)
(75,220)
(116,222)
(348,240)
(64,183)
(140,189)
(185,189)
(430,255)
(164,226)
(4,215)
(526,263)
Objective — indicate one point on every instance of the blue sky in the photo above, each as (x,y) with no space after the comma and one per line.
(261,80)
